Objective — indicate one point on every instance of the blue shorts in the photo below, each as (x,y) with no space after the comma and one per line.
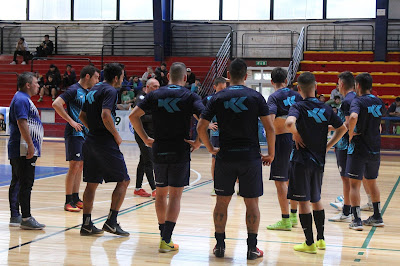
(249,174)
(172,174)
(215,142)
(103,160)
(73,148)
(359,166)
(341,160)
(280,165)
(305,182)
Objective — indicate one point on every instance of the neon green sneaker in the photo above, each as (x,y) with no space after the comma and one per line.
(284,225)
(293,219)
(305,248)
(167,247)
(213,193)
(321,244)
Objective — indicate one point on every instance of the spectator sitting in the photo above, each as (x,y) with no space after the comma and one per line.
(191,77)
(39,79)
(335,92)
(394,109)
(195,86)
(335,103)
(148,74)
(45,48)
(161,74)
(69,77)
(21,48)
(321,98)
(136,84)
(53,70)
(126,99)
(50,88)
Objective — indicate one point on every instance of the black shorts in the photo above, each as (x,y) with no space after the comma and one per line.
(103,160)
(172,174)
(215,142)
(359,166)
(305,182)
(341,160)
(249,174)
(280,165)
(73,148)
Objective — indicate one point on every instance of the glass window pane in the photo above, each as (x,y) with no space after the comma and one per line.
(196,10)
(246,10)
(351,9)
(298,9)
(49,10)
(136,10)
(13,10)
(95,10)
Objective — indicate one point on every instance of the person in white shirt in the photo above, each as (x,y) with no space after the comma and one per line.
(21,48)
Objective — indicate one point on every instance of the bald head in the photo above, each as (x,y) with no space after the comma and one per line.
(152,85)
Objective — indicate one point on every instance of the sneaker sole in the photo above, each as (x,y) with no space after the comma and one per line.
(73,210)
(14,225)
(357,228)
(31,228)
(91,234)
(323,248)
(340,221)
(161,250)
(280,229)
(115,233)
(306,251)
(376,225)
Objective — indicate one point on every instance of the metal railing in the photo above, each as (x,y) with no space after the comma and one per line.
(340,37)
(297,57)
(11,73)
(218,66)
(57,59)
(393,37)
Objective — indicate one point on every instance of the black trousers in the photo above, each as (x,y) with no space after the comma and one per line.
(25,55)
(23,176)
(145,164)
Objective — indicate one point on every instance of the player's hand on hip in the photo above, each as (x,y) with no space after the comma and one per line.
(298,140)
(76,126)
(214,151)
(194,144)
(149,142)
(118,139)
(213,126)
(31,151)
(267,159)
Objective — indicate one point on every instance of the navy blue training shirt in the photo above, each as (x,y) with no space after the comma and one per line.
(370,110)
(172,108)
(101,96)
(344,111)
(280,101)
(313,118)
(74,97)
(237,109)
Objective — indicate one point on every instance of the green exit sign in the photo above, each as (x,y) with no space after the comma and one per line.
(261,63)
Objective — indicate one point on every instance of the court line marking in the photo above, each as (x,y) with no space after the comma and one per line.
(373,229)
(103,218)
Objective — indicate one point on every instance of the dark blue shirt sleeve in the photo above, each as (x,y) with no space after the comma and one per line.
(209,112)
(110,99)
(392,108)
(263,109)
(345,108)
(198,106)
(355,106)
(145,104)
(293,111)
(272,105)
(68,95)
(21,109)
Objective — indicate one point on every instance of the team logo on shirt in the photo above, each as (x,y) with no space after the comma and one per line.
(236,104)
(289,101)
(375,110)
(90,96)
(317,114)
(169,104)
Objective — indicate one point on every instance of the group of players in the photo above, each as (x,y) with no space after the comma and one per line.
(287,116)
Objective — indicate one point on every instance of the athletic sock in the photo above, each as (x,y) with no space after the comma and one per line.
(220,237)
(356,212)
(285,216)
(161,228)
(75,197)
(293,210)
(377,210)
(68,199)
(168,229)
(87,219)
(319,219)
(306,224)
(137,189)
(346,210)
(251,240)
(112,217)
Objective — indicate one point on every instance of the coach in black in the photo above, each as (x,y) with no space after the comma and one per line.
(172,107)
(237,109)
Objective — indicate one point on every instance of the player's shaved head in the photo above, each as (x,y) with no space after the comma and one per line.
(177,72)
(306,82)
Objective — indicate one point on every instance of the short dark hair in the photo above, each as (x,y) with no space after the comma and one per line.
(24,78)
(69,65)
(279,75)
(306,81)
(47,36)
(135,76)
(336,97)
(177,71)
(397,99)
(88,70)
(111,71)
(321,95)
(238,69)
(164,64)
(122,65)
(197,79)
(22,39)
(365,81)
(348,79)
(219,80)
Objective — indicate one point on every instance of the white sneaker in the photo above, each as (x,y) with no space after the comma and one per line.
(23,63)
(340,217)
(367,207)
(339,198)
(337,205)
(13,63)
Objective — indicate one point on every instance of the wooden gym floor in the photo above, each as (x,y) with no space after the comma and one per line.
(60,242)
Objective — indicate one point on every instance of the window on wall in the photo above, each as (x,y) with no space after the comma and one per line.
(49,10)
(95,10)
(136,10)
(13,10)
(196,10)
(246,10)
(351,9)
(298,9)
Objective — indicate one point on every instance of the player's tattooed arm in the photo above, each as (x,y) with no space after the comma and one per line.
(109,124)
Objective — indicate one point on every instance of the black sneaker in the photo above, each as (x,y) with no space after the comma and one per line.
(15,221)
(356,225)
(115,229)
(219,252)
(254,253)
(372,221)
(31,224)
(90,230)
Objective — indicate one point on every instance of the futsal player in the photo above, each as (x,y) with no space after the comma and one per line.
(219,84)
(363,157)
(237,109)
(75,133)
(308,121)
(102,158)
(172,107)
(279,103)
